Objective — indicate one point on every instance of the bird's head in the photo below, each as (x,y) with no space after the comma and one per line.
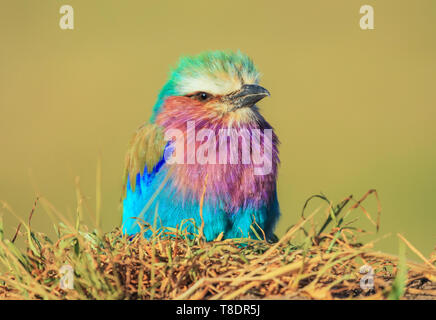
(214,85)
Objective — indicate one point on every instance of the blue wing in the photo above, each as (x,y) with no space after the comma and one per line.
(144,170)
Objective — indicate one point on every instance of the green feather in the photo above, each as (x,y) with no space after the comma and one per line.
(145,149)
(208,62)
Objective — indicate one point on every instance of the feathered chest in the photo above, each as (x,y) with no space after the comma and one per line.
(229,162)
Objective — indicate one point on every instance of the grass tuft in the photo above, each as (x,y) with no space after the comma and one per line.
(306,263)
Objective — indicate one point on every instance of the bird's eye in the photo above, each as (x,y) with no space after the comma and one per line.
(201,96)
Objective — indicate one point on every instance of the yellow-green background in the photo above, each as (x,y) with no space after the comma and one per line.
(353,109)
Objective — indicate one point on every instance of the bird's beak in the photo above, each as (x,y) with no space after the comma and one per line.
(247,96)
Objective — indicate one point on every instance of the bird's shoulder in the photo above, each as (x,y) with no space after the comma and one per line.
(145,150)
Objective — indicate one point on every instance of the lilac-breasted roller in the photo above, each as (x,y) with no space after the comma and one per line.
(207,157)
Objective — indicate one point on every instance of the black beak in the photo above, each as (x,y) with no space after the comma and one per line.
(247,96)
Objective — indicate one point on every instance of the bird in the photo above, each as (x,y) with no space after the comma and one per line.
(181,171)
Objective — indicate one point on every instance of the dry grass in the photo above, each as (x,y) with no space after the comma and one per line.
(306,263)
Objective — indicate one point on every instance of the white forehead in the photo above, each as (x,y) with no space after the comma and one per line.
(221,84)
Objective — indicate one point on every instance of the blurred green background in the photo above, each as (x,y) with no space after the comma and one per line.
(354,109)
